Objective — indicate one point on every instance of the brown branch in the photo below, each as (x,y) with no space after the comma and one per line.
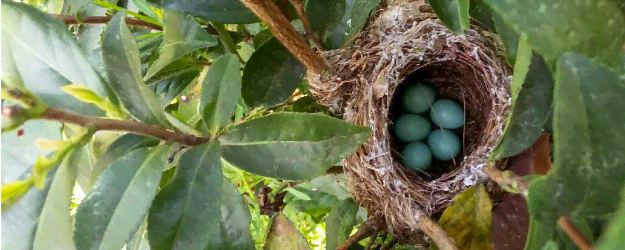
(436,233)
(54,114)
(301,12)
(372,240)
(391,244)
(575,235)
(286,34)
(105,19)
(367,228)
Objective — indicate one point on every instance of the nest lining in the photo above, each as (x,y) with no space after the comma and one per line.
(465,67)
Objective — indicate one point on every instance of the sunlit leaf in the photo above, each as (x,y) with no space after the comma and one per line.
(283,235)
(340,222)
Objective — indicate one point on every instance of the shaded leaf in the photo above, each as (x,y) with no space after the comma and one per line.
(508,36)
(614,234)
(356,15)
(318,206)
(332,184)
(109,215)
(41,219)
(340,222)
(292,146)
(298,194)
(221,89)
(42,55)
(588,145)
(453,13)
(283,235)
(532,94)
(121,57)
(325,15)
(482,13)
(271,75)
(172,81)
(226,11)
(468,219)
(181,35)
(561,25)
(184,212)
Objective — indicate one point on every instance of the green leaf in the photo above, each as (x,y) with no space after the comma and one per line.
(292,146)
(588,144)
(482,13)
(119,147)
(41,219)
(332,184)
(221,89)
(14,191)
(453,13)
(340,222)
(181,35)
(508,36)
(121,56)
(325,15)
(283,235)
(109,215)
(532,94)
(468,219)
(225,11)
(19,151)
(356,15)
(187,209)
(174,79)
(614,234)
(595,28)
(40,47)
(298,194)
(271,75)
(318,206)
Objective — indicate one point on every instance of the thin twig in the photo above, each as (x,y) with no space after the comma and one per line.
(436,233)
(54,114)
(575,235)
(372,240)
(365,230)
(105,19)
(301,12)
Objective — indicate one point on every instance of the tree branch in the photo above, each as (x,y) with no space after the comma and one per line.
(367,229)
(301,12)
(105,19)
(54,114)
(436,233)
(284,31)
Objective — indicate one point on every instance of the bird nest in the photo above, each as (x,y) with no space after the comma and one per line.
(403,41)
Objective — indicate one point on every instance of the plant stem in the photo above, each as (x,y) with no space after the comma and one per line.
(97,123)
(301,12)
(575,235)
(367,229)
(105,19)
(436,233)
(226,39)
(280,26)
(111,6)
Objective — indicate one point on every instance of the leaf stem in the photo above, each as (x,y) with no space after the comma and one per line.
(105,19)
(108,5)
(301,12)
(280,26)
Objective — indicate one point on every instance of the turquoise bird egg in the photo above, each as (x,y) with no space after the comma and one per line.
(444,144)
(417,156)
(447,114)
(418,98)
(411,127)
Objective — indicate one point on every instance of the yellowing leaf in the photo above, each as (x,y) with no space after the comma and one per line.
(82,93)
(468,219)
(13,191)
(51,145)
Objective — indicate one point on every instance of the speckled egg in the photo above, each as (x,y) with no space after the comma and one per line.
(418,98)
(411,127)
(447,114)
(417,156)
(444,144)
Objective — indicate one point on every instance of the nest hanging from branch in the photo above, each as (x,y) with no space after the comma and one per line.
(402,39)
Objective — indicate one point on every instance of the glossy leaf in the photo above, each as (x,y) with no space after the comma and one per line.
(595,28)
(340,222)
(41,219)
(186,210)
(468,219)
(181,35)
(174,79)
(109,215)
(20,152)
(43,56)
(292,146)
(226,11)
(221,89)
(453,13)
(356,14)
(121,56)
(324,16)
(283,235)
(532,94)
(271,75)
(614,234)
(588,141)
